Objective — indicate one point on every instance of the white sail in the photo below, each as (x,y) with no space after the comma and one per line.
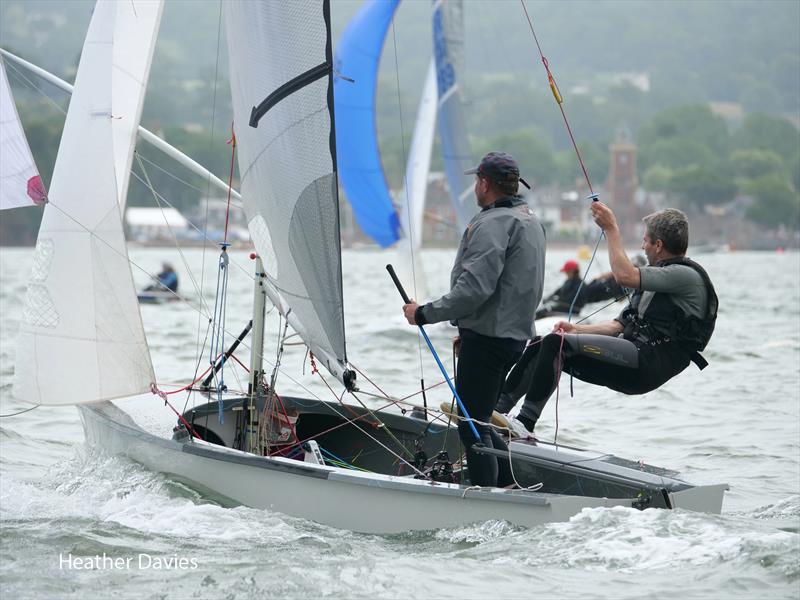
(448,48)
(135,31)
(20,184)
(281,86)
(412,197)
(81,337)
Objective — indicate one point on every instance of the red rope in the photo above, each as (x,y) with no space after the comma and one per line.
(559,365)
(204,373)
(557,95)
(375,385)
(188,385)
(232,143)
(154,389)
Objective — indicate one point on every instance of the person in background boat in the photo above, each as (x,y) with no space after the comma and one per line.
(167,280)
(602,287)
(495,285)
(570,294)
(669,320)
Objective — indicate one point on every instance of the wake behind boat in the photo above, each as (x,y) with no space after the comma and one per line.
(332,462)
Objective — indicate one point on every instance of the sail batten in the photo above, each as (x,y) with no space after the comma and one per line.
(81,337)
(287,162)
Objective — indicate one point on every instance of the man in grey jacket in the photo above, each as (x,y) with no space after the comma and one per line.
(495,287)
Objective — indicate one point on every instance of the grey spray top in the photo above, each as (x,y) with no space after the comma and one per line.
(497,279)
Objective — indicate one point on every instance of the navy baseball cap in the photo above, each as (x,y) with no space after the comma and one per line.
(499,167)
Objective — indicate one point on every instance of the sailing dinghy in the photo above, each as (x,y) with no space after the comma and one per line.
(342,465)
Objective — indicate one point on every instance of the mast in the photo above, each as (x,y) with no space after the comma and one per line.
(254,388)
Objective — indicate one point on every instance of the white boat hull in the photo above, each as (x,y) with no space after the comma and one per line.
(351,500)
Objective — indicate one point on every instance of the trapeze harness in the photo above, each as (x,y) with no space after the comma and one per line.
(663,321)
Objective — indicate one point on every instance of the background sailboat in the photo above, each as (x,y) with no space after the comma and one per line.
(363,180)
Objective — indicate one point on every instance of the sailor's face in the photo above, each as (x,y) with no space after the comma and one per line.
(480,189)
(650,250)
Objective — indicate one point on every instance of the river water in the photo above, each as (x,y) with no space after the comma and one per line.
(737,422)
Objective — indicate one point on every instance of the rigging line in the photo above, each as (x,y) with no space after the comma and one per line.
(401,401)
(409,234)
(149,184)
(198,348)
(583,279)
(268,401)
(383,426)
(20,412)
(206,240)
(602,308)
(347,421)
(232,142)
(19,74)
(171,174)
(559,367)
(125,255)
(135,264)
(196,370)
(557,95)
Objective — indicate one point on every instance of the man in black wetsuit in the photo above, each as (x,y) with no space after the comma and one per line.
(495,285)
(669,320)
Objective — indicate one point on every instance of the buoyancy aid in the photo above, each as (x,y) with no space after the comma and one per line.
(664,321)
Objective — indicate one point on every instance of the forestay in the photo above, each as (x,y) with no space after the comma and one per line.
(81,337)
(448,49)
(282,90)
(20,184)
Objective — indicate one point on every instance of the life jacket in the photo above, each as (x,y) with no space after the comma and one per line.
(664,321)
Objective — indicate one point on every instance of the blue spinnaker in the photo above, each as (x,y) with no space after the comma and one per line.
(359,164)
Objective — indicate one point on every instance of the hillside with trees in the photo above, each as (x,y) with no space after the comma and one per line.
(710,91)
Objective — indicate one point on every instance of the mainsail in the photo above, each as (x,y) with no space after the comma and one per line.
(448,50)
(356,68)
(81,337)
(282,90)
(20,184)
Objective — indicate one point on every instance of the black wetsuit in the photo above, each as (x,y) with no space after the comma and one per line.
(483,363)
(660,338)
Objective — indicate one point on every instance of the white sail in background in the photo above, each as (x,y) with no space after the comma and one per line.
(281,62)
(448,49)
(81,337)
(412,197)
(20,184)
